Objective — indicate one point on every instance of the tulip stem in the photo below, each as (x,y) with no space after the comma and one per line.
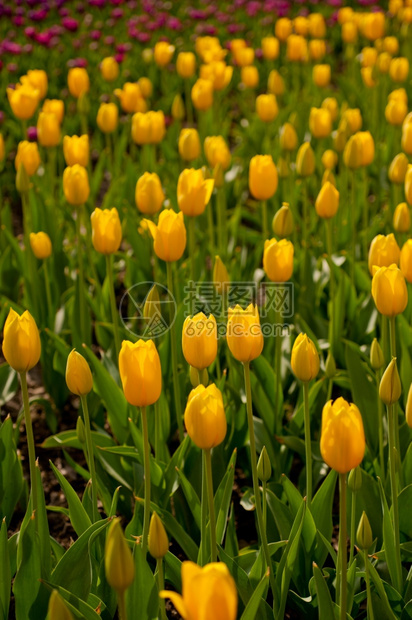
(109,270)
(342,552)
(82,300)
(176,386)
(368,587)
(380,430)
(328,224)
(394,492)
(221,215)
(30,442)
(392,340)
(264,505)
(278,361)
(121,604)
(203,524)
(265,226)
(188,97)
(308,446)
(192,247)
(212,519)
(146,458)
(90,456)
(353,222)
(352,527)
(158,422)
(161,586)
(50,321)
(109,154)
(256,489)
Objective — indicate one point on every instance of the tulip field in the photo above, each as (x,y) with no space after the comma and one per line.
(206,310)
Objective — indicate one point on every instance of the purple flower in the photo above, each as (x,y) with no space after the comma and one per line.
(95,35)
(2,115)
(12,67)
(64,12)
(109,40)
(32,134)
(43,38)
(99,3)
(38,16)
(18,21)
(70,24)
(30,32)
(117,13)
(9,47)
(174,23)
(143,37)
(119,58)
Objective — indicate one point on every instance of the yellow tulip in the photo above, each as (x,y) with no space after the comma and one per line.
(376,355)
(109,68)
(305,359)
(331,104)
(221,278)
(320,122)
(383,252)
(283,221)
(408,408)
(296,48)
(369,56)
(41,245)
(163,53)
(146,87)
(189,144)
(244,334)
(54,106)
(368,147)
(267,107)
(329,159)
(178,108)
(158,543)
(321,75)
(23,100)
(21,341)
(402,218)
(408,184)
(217,152)
(57,607)
(352,154)
(2,148)
(373,25)
(76,185)
(406,142)
(118,559)
(169,235)
(193,192)
(317,25)
(218,73)
(354,119)
(317,49)
(390,388)
(131,98)
(106,230)
(186,64)
(107,117)
(327,202)
(244,56)
(396,111)
(406,260)
(263,177)
(148,127)
(288,137)
(149,195)
(270,48)
(389,291)
(397,169)
(199,340)
(342,442)
(276,83)
(28,155)
(305,160)
(37,78)
(383,62)
(349,32)
(76,150)
(283,28)
(79,378)
(78,81)
(205,418)
(301,25)
(368,77)
(249,76)
(399,69)
(48,129)
(140,372)
(278,260)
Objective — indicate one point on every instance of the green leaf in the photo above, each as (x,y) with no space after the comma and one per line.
(8,383)
(285,568)
(78,516)
(405,510)
(223,498)
(281,514)
(173,572)
(325,604)
(5,573)
(239,575)
(42,527)
(79,608)
(191,497)
(143,593)
(386,612)
(252,607)
(11,473)
(388,538)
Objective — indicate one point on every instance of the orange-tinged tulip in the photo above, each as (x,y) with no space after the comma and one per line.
(267,107)
(263,177)
(131,98)
(320,122)
(342,442)
(389,290)
(149,195)
(118,559)
(23,100)
(76,185)
(406,260)
(189,144)
(217,152)
(202,94)
(193,192)
(383,252)
(78,81)
(21,341)
(169,235)
(76,150)
(163,53)
(106,230)
(199,340)
(244,334)
(278,259)
(186,64)
(107,117)
(327,202)
(28,155)
(140,372)
(205,418)
(41,245)
(109,69)
(79,378)
(305,359)
(54,106)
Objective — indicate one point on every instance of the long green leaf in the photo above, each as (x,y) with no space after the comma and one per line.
(252,607)
(5,573)
(325,604)
(78,516)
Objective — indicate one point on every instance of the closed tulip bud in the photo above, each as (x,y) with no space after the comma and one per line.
(320,122)
(389,291)
(215,588)
(23,100)
(149,195)
(353,118)
(148,127)
(355,479)
(345,14)
(283,28)
(21,341)
(327,202)
(186,64)
(383,62)
(288,137)
(317,25)
(406,141)
(390,388)
(244,56)
(305,160)
(317,49)
(408,408)
(158,543)
(28,155)
(205,418)
(368,76)
(267,107)
(109,68)
(218,73)
(178,108)
(36,78)
(78,374)
(342,442)
(400,94)
(140,372)
(189,144)
(41,245)
(402,218)
(305,359)
(107,117)
(54,106)
(364,536)
(296,48)
(76,185)
(301,25)
(199,340)
(282,224)
(57,609)
(217,152)
(329,159)
(331,104)
(278,260)
(202,94)
(146,87)
(118,559)
(263,177)
(391,45)
(169,235)
(270,48)
(376,355)
(399,69)
(250,76)
(373,25)
(244,335)
(321,75)
(398,168)
(406,260)
(163,53)
(221,278)
(78,81)
(349,32)
(330,366)
(131,98)
(80,430)
(151,306)
(264,467)
(352,154)
(193,192)
(367,147)
(76,150)
(106,230)
(395,112)
(22,180)
(276,83)
(369,56)
(383,251)
(408,185)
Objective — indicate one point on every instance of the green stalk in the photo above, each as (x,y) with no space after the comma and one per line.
(82,299)
(161,586)
(394,493)
(173,341)
(203,522)
(158,422)
(256,489)
(211,228)
(380,429)
(221,220)
(352,527)
(328,224)
(265,226)
(30,442)
(192,247)
(90,456)
(353,222)
(212,519)
(50,322)
(365,216)
(146,453)
(121,603)
(368,587)
(113,306)
(109,153)
(188,97)
(342,546)
(308,446)
(392,340)
(264,505)
(278,383)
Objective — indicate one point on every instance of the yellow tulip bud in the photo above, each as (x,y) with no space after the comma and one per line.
(249,76)
(406,141)
(278,259)
(149,195)
(408,408)
(317,25)
(169,235)
(244,56)
(305,359)
(368,76)
(76,150)
(288,137)
(395,112)
(282,224)
(349,32)
(22,180)
(373,25)
(267,107)
(57,609)
(148,127)
(23,100)
(283,28)
(408,184)
(383,252)
(305,160)
(244,334)
(131,98)
(199,340)
(398,168)
(163,53)
(406,260)
(218,73)
(321,75)
(367,147)
(353,118)
(158,543)
(402,218)
(317,49)
(369,56)
(342,442)
(364,536)
(189,144)
(109,68)
(106,230)
(389,291)
(320,122)
(178,108)
(221,278)
(28,155)
(327,202)
(331,104)
(296,48)
(301,25)
(186,64)
(383,62)
(76,185)
(151,306)
(41,245)
(193,192)
(399,69)
(391,45)
(217,152)
(263,177)
(352,154)
(107,117)
(118,559)
(264,467)
(140,372)
(202,94)
(329,159)
(376,355)
(78,374)
(37,78)
(355,479)
(390,387)
(146,87)
(78,81)
(205,418)
(276,84)
(54,106)
(21,341)
(270,48)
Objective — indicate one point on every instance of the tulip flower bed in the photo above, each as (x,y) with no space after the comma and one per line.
(205,270)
